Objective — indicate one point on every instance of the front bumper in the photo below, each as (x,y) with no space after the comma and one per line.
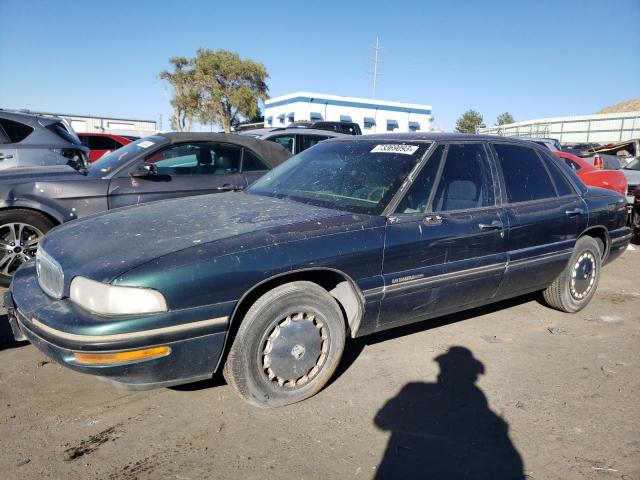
(58,328)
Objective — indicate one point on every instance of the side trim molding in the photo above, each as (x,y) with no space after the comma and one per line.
(220,321)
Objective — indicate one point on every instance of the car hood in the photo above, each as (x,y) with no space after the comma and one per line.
(35,174)
(107,245)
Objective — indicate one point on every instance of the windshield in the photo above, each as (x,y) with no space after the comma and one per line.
(633,164)
(358,176)
(114,160)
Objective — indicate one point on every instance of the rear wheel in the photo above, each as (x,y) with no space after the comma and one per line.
(576,285)
(20,233)
(287,346)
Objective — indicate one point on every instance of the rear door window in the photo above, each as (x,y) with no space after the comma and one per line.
(251,162)
(307,141)
(102,143)
(15,131)
(525,176)
(572,165)
(287,141)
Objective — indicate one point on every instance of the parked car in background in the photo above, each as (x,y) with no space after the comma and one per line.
(625,151)
(632,172)
(353,236)
(102,143)
(612,179)
(28,140)
(552,144)
(608,162)
(349,128)
(34,200)
(295,139)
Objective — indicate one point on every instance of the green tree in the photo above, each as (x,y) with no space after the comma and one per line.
(185,100)
(504,119)
(229,87)
(469,122)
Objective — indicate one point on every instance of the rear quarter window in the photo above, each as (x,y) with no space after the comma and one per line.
(15,131)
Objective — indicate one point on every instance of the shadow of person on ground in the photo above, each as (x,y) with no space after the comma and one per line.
(6,335)
(445,430)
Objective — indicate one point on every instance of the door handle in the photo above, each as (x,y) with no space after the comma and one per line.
(575,211)
(4,156)
(495,225)
(432,220)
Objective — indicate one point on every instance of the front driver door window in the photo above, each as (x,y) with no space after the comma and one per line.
(184,169)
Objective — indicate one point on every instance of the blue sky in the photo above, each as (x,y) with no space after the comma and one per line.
(533,59)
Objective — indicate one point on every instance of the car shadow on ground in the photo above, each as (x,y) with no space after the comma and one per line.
(354,347)
(446,429)
(6,335)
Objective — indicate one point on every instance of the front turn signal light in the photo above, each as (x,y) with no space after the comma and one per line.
(89,358)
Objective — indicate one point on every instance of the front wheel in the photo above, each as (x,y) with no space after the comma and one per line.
(20,232)
(575,286)
(287,346)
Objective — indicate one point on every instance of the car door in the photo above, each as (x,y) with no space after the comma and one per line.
(445,246)
(545,216)
(182,170)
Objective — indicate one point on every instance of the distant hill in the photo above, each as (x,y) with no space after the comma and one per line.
(632,105)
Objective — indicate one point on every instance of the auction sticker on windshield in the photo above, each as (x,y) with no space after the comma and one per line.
(145,144)
(395,148)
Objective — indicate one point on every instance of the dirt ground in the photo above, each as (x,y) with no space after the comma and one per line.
(515,390)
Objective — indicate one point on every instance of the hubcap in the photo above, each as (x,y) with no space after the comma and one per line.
(583,275)
(294,350)
(18,244)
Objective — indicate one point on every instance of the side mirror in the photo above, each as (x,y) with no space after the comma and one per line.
(144,170)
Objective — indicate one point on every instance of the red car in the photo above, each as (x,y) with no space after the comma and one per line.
(101,143)
(596,177)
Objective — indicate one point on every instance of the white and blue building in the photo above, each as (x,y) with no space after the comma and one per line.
(373,116)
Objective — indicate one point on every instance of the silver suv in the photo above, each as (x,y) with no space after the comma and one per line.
(28,140)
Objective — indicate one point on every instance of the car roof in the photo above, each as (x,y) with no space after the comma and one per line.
(271,152)
(297,130)
(28,118)
(429,137)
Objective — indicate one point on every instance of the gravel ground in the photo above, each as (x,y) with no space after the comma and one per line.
(515,390)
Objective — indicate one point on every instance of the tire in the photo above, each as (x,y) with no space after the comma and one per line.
(287,346)
(575,286)
(20,232)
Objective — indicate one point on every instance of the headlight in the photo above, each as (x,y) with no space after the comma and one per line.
(106,299)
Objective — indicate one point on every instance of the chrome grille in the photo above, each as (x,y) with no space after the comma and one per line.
(50,275)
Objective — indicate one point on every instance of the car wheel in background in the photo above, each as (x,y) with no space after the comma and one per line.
(287,346)
(20,232)
(576,285)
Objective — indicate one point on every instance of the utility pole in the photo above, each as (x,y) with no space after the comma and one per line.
(376,49)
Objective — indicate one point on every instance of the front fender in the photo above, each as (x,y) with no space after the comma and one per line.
(50,207)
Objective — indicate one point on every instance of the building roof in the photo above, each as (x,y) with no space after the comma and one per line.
(322,99)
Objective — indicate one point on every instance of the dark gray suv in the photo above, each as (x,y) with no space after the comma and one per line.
(28,140)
